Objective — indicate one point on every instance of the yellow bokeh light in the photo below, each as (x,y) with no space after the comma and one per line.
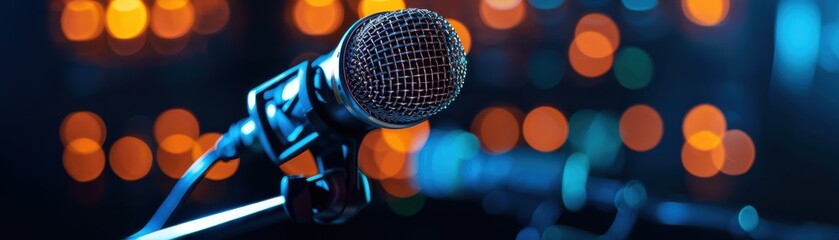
(705,12)
(317,20)
(82,20)
(126,19)
(462,33)
(172,18)
(369,7)
(502,19)
(320,3)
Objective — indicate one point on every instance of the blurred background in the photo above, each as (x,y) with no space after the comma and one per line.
(579,119)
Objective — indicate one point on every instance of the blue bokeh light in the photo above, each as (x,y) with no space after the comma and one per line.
(528,233)
(546,4)
(574,181)
(748,218)
(546,67)
(639,5)
(797,36)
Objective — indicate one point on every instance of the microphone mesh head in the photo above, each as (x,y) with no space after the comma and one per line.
(404,66)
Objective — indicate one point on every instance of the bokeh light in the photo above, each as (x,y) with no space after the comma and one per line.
(82,124)
(220,170)
(175,154)
(401,188)
(596,37)
(497,128)
(739,153)
(503,4)
(502,18)
(210,15)
(82,20)
(372,143)
(368,7)
(797,32)
(126,19)
(545,129)
(641,128)
(318,18)
(705,12)
(408,139)
(701,163)
(462,33)
(600,23)
(704,126)
(597,135)
(748,218)
(130,158)
(172,19)
(546,4)
(587,66)
(633,68)
(593,44)
(574,180)
(83,166)
(303,164)
(639,5)
(407,206)
(546,67)
(175,121)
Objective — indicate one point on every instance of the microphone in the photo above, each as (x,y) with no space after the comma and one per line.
(391,70)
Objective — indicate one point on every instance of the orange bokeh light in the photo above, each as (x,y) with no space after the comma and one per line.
(503,4)
(82,20)
(175,121)
(172,19)
(502,19)
(303,164)
(126,19)
(368,7)
(704,126)
(408,139)
(641,128)
(545,129)
(593,44)
(377,159)
(462,33)
(739,153)
(175,154)
(316,18)
(130,158)
(701,163)
(82,124)
(210,15)
(587,66)
(705,12)
(401,188)
(497,128)
(599,23)
(83,166)
(221,169)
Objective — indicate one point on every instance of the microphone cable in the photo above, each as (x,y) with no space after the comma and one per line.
(184,186)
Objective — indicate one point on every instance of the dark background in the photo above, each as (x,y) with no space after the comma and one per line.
(792,181)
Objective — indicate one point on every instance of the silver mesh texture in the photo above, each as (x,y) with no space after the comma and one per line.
(404,66)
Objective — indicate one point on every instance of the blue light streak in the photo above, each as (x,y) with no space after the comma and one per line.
(193,226)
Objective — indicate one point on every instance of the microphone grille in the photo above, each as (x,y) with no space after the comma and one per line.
(404,66)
